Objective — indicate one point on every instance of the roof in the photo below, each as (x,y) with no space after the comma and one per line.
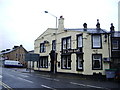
(12,50)
(8,51)
(89,30)
(116,34)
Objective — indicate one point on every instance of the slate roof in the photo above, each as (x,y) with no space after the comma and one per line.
(116,34)
(8,51)
(89,30)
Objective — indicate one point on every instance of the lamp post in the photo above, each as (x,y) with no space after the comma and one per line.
(55,58)
(53,16)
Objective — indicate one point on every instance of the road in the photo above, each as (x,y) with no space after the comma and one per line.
(14,79)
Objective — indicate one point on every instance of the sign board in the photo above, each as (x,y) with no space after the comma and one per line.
(32,57)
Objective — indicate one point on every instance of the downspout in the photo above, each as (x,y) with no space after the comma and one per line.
(109,50)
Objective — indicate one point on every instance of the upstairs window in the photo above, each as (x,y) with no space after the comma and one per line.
(96,41)
(66,43)
(42,48)
(79,41)
(115,44)
(54,45)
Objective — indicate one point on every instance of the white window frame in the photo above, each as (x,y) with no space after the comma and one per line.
(79,40)
(68,43)
(98,59)
(96,41)
(64,44)
(65,62)
(115,44)
(80,62)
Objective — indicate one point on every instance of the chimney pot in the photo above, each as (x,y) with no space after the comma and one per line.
(98,24)
(112,28)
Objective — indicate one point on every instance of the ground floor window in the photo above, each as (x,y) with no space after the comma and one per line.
(96,61)
(66,61)
(43,62)
(79,62)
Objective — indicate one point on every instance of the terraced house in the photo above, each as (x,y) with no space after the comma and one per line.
(80,50)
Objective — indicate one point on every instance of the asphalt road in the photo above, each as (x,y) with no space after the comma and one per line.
(15,79)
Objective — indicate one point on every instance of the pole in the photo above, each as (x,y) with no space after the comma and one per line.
(55,59)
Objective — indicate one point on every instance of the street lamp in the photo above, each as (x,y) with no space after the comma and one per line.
(55,58)
(53,16)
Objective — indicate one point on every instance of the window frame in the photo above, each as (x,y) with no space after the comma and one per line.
(43,62)
(77,65)
(93,59)
(116,43)
(67,42)
(100,41)
(42,48)
(54,45)
(79,35)
(66,61)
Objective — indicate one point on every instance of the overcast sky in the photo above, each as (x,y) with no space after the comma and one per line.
(22,21)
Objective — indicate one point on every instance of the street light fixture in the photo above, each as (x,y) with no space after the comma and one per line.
(53,16)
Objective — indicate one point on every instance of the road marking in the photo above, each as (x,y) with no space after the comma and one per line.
(25,80)
(23,75)
(89,86)
(48,87)
(5,86)
(0,76)
(50,78)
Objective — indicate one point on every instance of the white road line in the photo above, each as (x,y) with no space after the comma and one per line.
(0,76)
(25,80)
(48,87)
(88,85)
(23,75)
(50,79)
(78,84)
(5,86)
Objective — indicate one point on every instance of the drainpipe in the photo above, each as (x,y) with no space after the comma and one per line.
(109,49)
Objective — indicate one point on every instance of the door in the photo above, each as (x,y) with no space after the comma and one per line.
(53,57)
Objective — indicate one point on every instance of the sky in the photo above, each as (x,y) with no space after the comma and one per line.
(22,21)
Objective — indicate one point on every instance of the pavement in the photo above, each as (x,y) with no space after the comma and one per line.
(65,75)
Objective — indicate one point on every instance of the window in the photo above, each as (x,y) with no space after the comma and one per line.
(115,44)
(54,45)
(43,62)
(66,62)
(96,41)
(42,47)
(79,41)
(97,62)
(79,62)
(66,43)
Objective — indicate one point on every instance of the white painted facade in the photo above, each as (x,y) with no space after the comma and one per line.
(86,52)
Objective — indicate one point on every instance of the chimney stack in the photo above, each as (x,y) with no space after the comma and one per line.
(61,23)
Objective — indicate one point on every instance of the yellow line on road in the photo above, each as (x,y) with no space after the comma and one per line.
(5,86)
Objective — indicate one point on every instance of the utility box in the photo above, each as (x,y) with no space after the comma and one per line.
(110,73)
